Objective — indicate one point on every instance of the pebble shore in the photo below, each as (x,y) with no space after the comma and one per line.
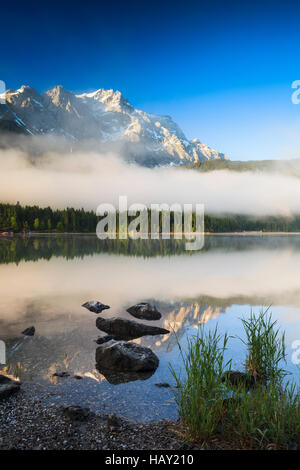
(28,422)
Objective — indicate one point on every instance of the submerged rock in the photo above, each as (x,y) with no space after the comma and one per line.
(8,386)
(76,413)
(125,329)
(95,306)
(123,356)
(29,331)
(144,311)
(238,379)
(61,374)
(113,422)
(162,385)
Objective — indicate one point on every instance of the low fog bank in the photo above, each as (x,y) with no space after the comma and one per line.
(85,178)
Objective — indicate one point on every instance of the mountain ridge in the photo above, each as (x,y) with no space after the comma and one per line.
(105,116)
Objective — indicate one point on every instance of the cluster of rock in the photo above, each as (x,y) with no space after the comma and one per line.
(118,359)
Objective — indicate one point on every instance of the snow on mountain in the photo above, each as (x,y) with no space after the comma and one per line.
(104,116)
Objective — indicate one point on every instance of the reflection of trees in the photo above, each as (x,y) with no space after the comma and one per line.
(251,242)
(34,248)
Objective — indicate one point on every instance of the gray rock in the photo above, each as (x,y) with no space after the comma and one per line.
(8,386)
(29,331)
(95,306)
(113,422)
(75,413)
(123,356)
(238,379)
(144,311)
(125,329)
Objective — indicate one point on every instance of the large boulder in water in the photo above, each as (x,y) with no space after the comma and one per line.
(95,306)
(123,356)
(144,311)
(125,329)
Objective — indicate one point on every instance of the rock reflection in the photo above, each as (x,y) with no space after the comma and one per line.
(116,378)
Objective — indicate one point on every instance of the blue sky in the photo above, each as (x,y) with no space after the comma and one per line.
(222,69)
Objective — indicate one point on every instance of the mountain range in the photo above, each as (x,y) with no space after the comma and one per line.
(104,117)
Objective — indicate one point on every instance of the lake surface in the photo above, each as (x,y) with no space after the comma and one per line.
(44,280)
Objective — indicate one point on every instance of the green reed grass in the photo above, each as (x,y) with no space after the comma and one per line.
(267,415)
(200,395)
(265,346)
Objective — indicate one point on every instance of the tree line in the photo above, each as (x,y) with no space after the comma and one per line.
(37,219)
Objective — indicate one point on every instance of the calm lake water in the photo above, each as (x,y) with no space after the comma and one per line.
(45,280)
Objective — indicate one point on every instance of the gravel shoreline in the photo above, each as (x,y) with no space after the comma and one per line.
(28,422)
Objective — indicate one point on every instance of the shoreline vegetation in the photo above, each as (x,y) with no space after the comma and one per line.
(15,218)
(256,408)
(223,234)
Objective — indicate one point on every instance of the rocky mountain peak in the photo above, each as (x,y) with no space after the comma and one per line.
(59,96)
(113,100)
(107,117)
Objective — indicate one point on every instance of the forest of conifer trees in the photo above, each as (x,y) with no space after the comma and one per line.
(69,220)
